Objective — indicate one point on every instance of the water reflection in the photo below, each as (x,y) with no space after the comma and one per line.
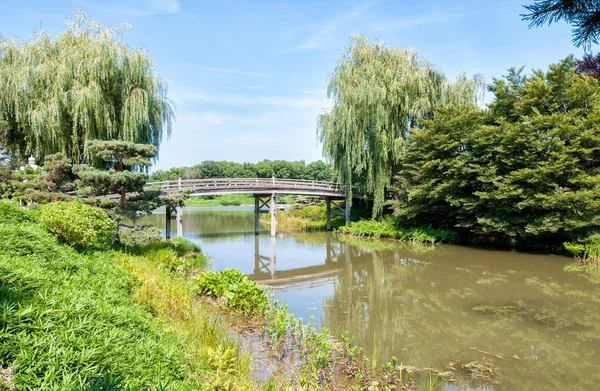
(427,306)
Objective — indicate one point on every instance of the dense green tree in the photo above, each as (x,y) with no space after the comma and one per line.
(85,83)
(583,15)
(318,171)
(120,168)
(264,169)
(379,93)
(527,169)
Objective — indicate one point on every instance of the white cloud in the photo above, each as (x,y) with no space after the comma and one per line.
(134,7)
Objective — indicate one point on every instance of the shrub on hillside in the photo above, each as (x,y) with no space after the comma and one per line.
(76,224)
(11,212)
(184,247)
(140,236)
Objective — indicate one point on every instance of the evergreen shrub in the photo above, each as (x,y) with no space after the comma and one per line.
(76,224)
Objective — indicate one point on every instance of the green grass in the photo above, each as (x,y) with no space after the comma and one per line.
(68,319)
(224,200)
(386,229)
(73,321)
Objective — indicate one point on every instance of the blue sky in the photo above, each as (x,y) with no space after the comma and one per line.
(249,78)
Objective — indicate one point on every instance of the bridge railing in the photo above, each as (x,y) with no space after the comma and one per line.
(266,183)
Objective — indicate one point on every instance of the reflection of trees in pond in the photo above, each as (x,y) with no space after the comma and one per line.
(420,309)
(207,224)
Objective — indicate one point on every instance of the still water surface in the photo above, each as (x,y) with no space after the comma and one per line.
(427,306)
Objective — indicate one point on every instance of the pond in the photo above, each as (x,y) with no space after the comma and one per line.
(429,306)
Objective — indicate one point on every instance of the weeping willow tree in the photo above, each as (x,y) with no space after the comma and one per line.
(83,84)
(379,93)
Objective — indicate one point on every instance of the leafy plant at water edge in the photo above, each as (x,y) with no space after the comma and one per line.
(232,289)
(76,224)
(376,229)
(586,251)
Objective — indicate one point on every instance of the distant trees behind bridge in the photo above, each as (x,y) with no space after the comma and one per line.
(283,169)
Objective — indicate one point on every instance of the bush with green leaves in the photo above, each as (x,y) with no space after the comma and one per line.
(140,236)
(312,212)
(77,224)
(177,255)
(183,246)
(233,290)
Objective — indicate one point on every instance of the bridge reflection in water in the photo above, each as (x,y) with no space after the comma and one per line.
(266,273)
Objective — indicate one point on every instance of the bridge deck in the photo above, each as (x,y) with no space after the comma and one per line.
(221,186)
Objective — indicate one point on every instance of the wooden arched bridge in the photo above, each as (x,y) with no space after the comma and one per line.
(265,191)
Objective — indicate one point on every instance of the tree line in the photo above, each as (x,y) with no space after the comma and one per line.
(524,170)
(282,169)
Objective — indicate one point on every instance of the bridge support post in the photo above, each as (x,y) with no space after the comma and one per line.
(256,214)
(328,214)
(273,215)
(273,256)
(179,219)
(168,222)
(347,211)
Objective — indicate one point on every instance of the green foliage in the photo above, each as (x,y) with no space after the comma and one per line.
(76,224)
(233,290)
(110,383)
(183,246)
(10,212)
(581,14)
(317,170)
(376,229)
(313,212)
(586,251)
(229,199)
(140,236)
(226,202)
(68,319)
(177,255)
(525,172)
(379,93)
(84,83)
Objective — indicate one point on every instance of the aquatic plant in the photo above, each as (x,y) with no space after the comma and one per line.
(233,290)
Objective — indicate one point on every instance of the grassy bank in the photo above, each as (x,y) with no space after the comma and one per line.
(587,257)
(73,319)
(224,200)
(304,218)
(387,229)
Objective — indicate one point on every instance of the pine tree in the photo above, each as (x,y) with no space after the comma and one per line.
(119,167)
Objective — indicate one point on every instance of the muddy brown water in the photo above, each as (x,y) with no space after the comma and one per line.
(425,305)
